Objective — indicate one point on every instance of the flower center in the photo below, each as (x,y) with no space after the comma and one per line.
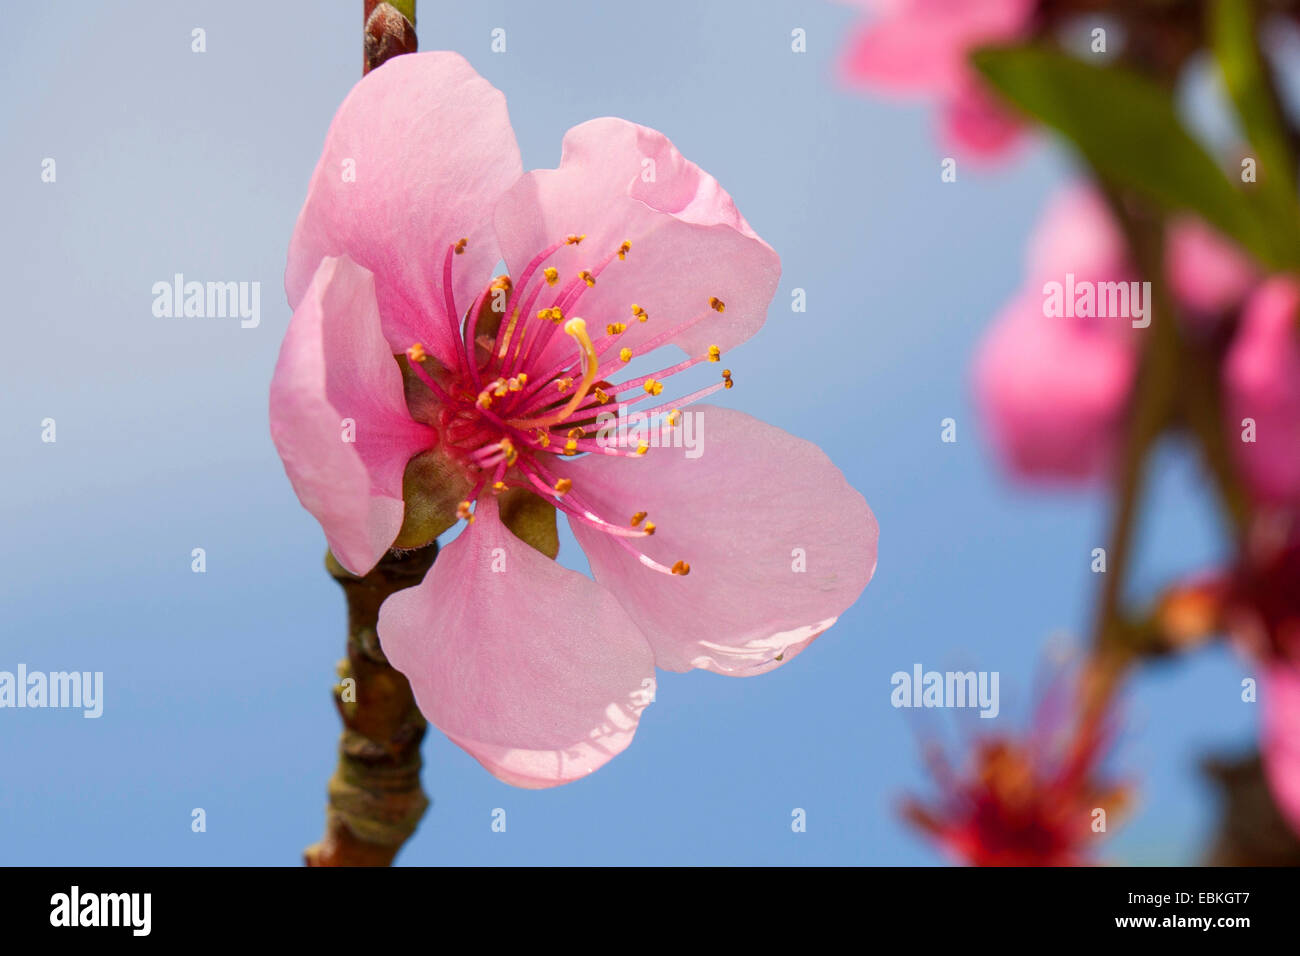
(509,407)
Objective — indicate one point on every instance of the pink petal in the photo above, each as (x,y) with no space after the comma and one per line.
(1052,390)
(334,365)
(1262,382)
(740,513)
(433,150)
(534,670)
(1280,739)
(1208,273)
(921,46)
(902,55)
(976,124)
(689,243)
(1077,233)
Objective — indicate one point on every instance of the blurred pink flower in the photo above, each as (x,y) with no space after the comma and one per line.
(1052,390)
(537,671)
(1280,737)
(1262,383)
(921,48)
(1262,611)
(1207,273)
(1257,603)
(1025,799)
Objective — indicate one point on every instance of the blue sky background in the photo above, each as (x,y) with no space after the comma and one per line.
(218,685)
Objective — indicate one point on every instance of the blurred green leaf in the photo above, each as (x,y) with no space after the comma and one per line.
(1128,130)
(1233,33)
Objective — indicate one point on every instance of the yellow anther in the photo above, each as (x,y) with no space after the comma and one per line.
(640,313)
(552,275)
(574,240)
(460,245)
(624,249)
(600,395)
(682,568)
(726,377)
(543,437)
(717,304)
(502,283)
(564,384)
(499,388)
(587,277)
(649,527)
(638,518)
(652,387)
(512,453)
(715,353)
(563,485)
(615,328)
(576,433)
(557,316)
(484,399)
(523,378)
(674,417)
(416,353)
(513,384)
(498,486)
(571,447)
(642,447)
(463,512)
(625,354)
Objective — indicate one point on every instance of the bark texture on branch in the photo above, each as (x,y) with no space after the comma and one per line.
(375,798)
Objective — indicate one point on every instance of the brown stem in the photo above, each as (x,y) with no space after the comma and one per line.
(1150,414)
(1251,830)
(1202,410)
(375,799)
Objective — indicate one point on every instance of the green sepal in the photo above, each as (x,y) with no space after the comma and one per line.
(531,518)
(432,487)
(336,569)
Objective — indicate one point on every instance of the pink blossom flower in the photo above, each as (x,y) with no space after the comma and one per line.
(538,671)
(1257,602)
(1053,392)
(1280,737)
(921,47)
(1262,383)
(1052,389)
(1207,273)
